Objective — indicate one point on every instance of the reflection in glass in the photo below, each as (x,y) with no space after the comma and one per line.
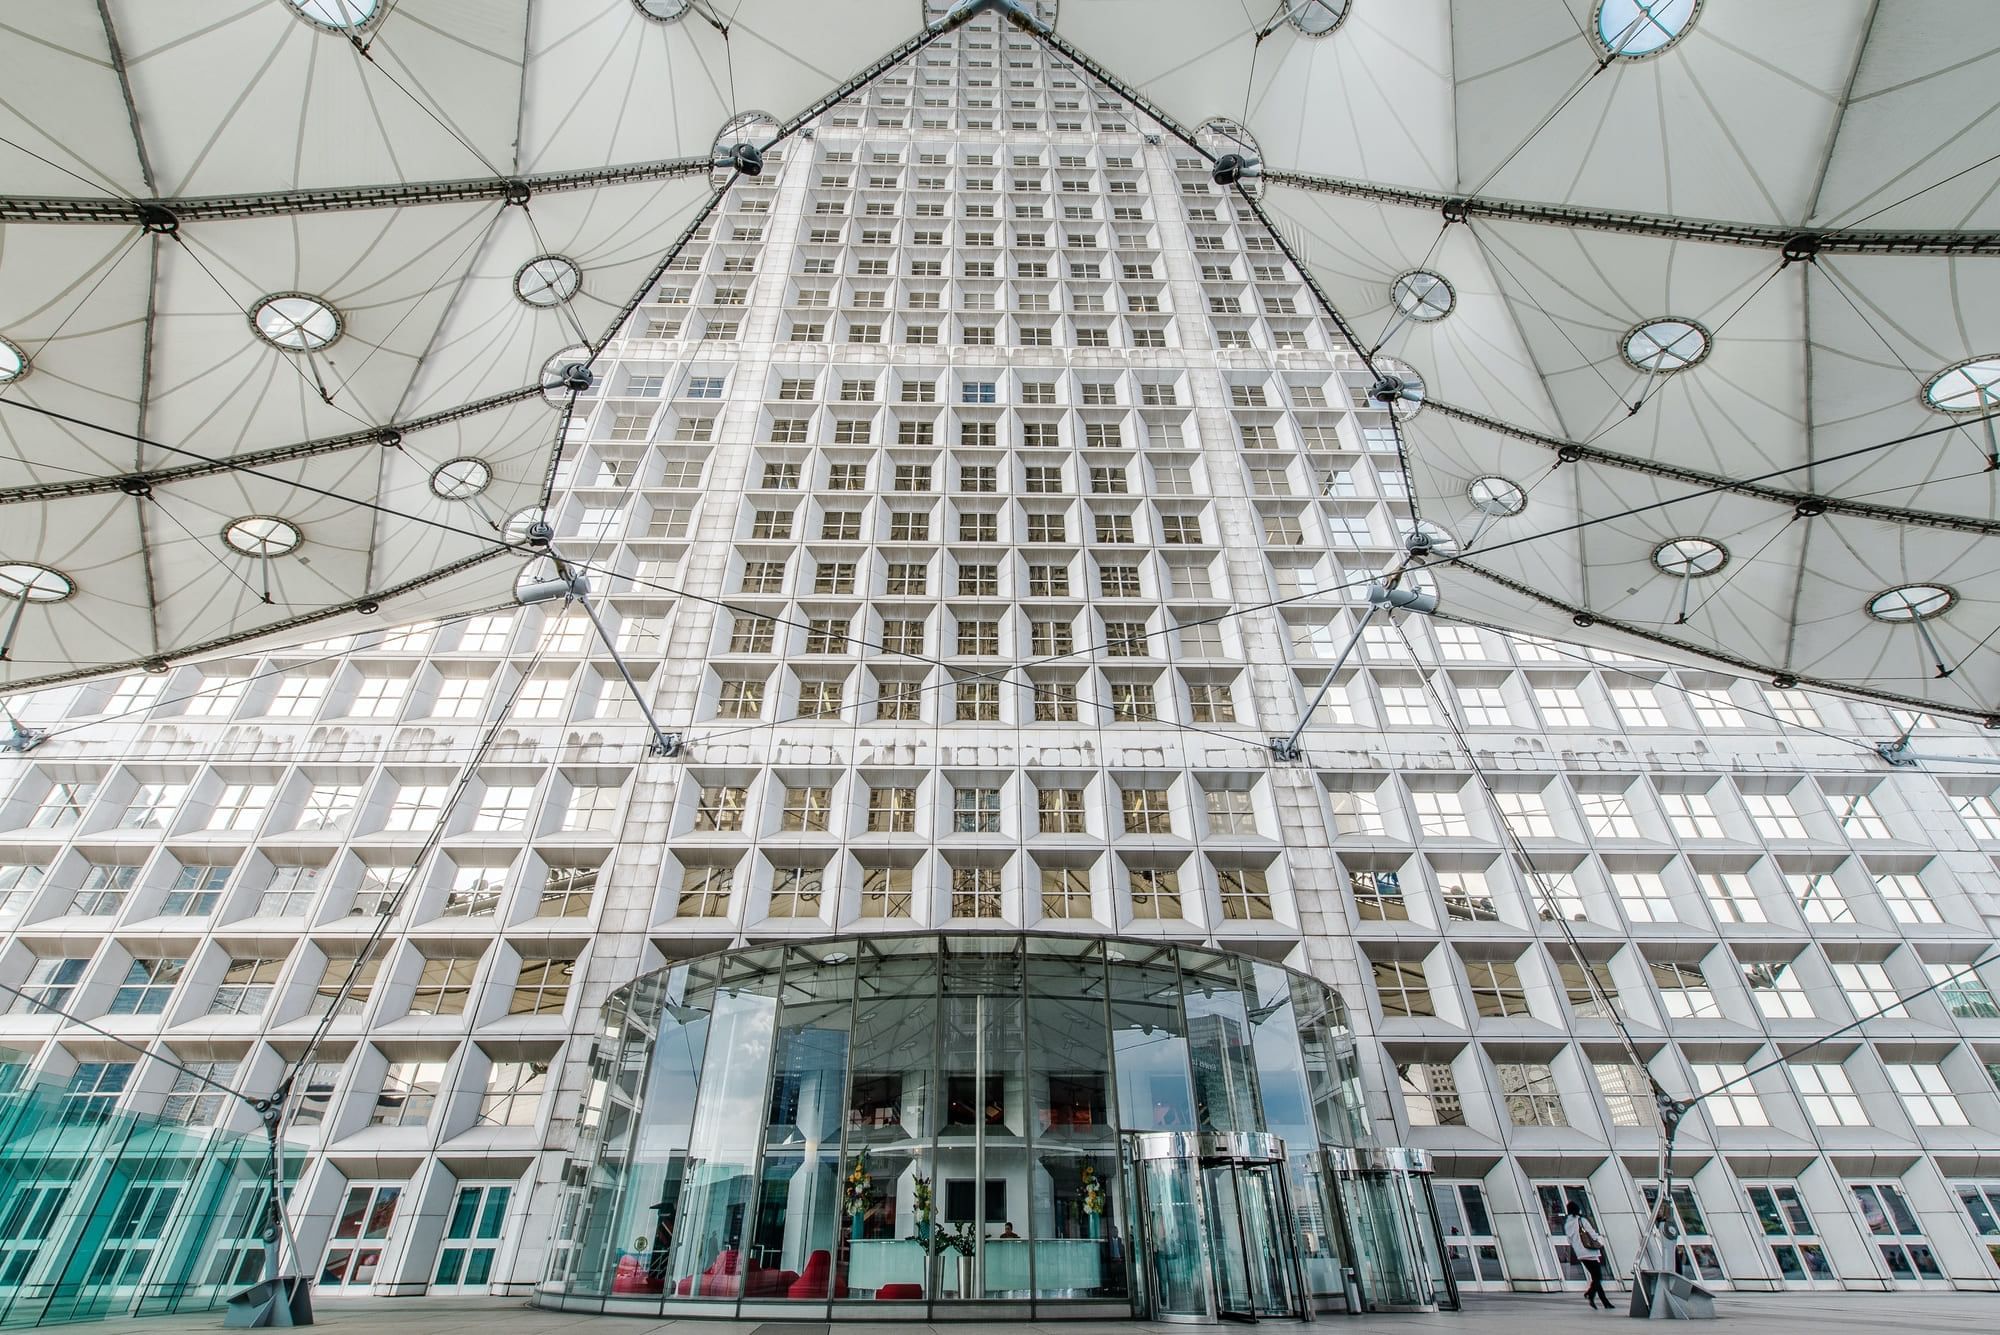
(775,1130)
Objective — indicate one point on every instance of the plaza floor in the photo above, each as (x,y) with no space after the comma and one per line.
(1830,1313)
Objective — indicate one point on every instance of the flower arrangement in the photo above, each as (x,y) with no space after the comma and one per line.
(947,1238)
(860,1187)
(1093,1191)
(923,1201)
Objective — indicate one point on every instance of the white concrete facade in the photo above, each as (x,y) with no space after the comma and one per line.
(976,497)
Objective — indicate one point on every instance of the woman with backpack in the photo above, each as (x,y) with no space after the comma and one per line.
(1587,1245)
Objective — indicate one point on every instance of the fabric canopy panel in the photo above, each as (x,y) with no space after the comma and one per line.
(275,341)
(1708,288)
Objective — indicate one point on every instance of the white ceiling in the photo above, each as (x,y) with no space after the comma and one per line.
(1824,116)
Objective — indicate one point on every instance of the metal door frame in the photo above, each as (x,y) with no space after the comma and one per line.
(1236,1149)
(1410,1168)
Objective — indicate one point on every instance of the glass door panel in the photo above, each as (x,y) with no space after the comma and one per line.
(472,1237)
(1169,1243)
(1982,1206)
(1226,1248)
(1267,1255)
(1906,1252)
(1472,1252)
(1388,1248)
(360,1235)
(1790,1233)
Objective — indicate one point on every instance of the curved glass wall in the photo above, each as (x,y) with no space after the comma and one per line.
(796,1125)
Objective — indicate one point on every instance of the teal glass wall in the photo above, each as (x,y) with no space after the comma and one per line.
(107,1214)
(780,1129)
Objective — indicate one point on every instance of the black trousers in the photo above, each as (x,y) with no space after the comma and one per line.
(1595,1269)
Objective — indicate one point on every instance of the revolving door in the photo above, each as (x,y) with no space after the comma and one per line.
(1212,1226)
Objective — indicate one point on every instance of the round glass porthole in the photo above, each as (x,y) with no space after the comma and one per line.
(295,321)
(1317,18)
(461,479)
(1911,602)
(1665,345)
(1497,497)
(1690,558)
(548,280)
(1635,29)
(341,16)
(663,11)
(33,582)
(1970,386)
(262,536)
(1423,296)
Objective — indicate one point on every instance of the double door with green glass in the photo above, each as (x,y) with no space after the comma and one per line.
(472,1236)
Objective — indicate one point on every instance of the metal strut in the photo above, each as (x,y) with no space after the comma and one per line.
(166,215)
(571,585)
(1384,595)
(1794,243)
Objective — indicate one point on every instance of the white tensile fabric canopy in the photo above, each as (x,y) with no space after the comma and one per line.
(1700,293)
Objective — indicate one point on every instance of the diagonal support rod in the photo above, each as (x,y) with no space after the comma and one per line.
(572,586)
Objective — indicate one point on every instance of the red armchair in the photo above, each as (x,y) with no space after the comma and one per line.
(813,1281)
(635,1276)
(724,1279)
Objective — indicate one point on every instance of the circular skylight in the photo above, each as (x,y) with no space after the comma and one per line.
(1317,18)
(1496,497)
(1223,135)
(461,479)
(553,388)
(548,280)
(1665,345)
(663,11)
(295,321)
(1690,558)
(1423,296)
(1410,401)
(262,536)
(1635,29)
(1911,602)
(13,362)
(36,583)
(1971,386)
(337,15)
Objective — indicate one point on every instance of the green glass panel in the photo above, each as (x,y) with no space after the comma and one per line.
(464,1211)
(494,1216)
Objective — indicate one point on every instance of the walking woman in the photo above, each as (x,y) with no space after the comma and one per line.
(1587,1245)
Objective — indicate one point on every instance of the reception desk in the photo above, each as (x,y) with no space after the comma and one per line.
(1071,1267)
(874,1262)
(1062,1266)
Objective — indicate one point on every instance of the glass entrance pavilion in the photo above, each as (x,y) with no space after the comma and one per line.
(917,1125)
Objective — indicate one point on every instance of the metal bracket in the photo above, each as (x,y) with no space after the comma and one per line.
(20,740)
(1235,168)
(1018,12)
(745,159)
(1897,753)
